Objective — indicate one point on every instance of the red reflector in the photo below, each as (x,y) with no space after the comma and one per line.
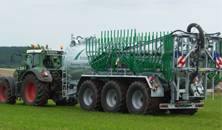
(178,103)
(43,74)
(199,105)
(163,106)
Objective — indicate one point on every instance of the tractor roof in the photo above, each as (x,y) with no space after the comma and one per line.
(34,51)
(48,52)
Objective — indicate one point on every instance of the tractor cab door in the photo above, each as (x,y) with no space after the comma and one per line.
(33,60)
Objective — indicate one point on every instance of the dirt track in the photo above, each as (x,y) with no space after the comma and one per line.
(6,72)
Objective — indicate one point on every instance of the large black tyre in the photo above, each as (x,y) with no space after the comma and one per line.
(90,95)
(5,93)
(34,92)
(139,99)
(114,97)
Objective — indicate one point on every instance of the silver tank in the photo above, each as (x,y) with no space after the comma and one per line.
(75,60)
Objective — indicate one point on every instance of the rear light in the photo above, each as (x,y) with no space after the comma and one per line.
(199,105)
(178,103)
(44,74)
(163,106)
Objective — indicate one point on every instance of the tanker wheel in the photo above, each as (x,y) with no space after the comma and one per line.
(90,95)
(139,99)
(114,97)
(5,93)
(34,92)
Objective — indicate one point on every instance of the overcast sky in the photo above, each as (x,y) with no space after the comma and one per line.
(26,22)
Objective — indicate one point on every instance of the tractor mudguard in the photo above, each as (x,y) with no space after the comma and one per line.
(11,81)
(39,75)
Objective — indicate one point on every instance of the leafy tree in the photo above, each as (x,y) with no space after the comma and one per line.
(46,47)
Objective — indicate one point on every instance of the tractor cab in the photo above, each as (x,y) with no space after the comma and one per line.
(50,60)
(44,59)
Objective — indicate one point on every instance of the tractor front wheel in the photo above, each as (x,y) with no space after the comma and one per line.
(34,92)
(5,93)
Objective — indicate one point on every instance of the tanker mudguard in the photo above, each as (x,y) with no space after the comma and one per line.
(38,74)
(155,92)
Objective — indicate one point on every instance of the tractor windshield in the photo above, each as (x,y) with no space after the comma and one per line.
(52,61)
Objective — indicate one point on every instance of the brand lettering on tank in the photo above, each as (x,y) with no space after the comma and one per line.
(77,56)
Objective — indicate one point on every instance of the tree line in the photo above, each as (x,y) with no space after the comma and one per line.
(7,52)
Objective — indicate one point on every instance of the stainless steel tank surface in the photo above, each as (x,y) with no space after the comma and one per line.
(76,62)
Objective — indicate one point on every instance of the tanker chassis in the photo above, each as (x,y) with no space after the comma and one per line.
(124,71)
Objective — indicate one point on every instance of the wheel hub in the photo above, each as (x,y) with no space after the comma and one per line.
(88,96)
(30,91)
(111,98)
(137,99)
(3,93)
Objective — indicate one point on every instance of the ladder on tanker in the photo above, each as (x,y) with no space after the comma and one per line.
(67,84)
(64,81)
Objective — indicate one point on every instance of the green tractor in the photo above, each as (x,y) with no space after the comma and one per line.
(36,82)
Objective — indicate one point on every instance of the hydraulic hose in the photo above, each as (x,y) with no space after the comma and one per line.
(202,41)
(200,44)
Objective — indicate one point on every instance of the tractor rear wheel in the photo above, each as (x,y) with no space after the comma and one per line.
(5,93)
(114,97)
(90,95)
(34,92)
(139,99)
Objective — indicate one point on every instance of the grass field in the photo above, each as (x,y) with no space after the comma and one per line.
(19,116)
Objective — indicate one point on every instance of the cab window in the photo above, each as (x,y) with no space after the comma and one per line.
(36,59)
(30,60)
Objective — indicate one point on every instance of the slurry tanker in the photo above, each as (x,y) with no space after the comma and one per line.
(123,71)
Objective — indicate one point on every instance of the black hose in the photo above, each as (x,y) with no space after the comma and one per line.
(197,64)
(202,41)
(79,37)
(218,33)
(181,31)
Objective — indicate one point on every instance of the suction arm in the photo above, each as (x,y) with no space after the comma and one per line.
(202,41)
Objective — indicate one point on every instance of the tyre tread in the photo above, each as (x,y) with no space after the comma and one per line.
(42,95)
(10,99)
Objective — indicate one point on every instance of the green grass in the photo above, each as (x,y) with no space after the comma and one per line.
(19,116)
